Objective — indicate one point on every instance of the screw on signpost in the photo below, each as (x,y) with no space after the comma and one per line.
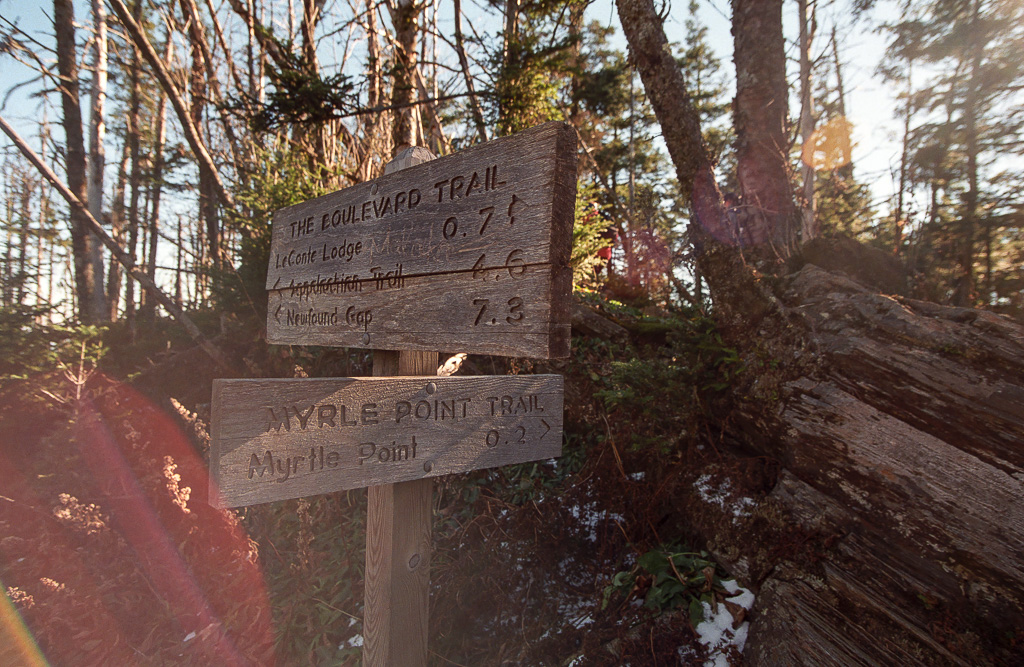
(398,531)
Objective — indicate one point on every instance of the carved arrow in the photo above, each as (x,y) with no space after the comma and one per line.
(547,428)
(277,313)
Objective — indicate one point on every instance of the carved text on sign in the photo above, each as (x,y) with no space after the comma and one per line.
(277,439)
(499,214)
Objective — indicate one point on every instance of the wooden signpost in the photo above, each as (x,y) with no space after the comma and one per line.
(469,250)
(467,253)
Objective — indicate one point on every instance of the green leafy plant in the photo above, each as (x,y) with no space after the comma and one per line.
(668,579)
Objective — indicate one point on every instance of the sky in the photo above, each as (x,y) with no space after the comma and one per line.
(870,105)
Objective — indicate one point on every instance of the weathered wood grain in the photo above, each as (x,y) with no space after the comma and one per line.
(396,615)
(898,514)
(486,214)
(277,439)
(396,609)
(509,312)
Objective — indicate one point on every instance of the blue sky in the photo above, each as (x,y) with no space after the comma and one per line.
(870,106)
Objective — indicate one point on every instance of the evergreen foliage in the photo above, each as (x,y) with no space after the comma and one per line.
(963,112)
(281,176)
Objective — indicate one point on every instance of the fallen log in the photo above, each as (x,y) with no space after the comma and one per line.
(900,440)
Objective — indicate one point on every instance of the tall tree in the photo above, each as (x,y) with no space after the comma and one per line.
(760,116)
(89,287)
(133,133)
(405,17)
(968,128)
(807,17)
(98,136)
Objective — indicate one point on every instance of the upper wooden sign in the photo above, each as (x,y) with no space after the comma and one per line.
(469,251)
(280,439)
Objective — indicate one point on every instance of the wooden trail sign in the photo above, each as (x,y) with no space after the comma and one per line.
(469,251)
(279,439)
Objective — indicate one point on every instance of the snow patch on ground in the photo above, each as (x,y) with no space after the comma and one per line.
(717,633)
(722,495)
(589,518)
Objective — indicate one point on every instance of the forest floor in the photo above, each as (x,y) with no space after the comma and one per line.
(109,553)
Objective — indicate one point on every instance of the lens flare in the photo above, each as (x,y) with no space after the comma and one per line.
(829,146)
(150,570)
(17,647)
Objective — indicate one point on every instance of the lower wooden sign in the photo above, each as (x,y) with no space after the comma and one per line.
(278,439)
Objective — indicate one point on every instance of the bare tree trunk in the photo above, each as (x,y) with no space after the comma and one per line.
(374,135)
(965,291)
(156,187)
(847,169)
(117,231)
(207,171)
(179,266)
(88,274)
(27,186)
(406,129)
(374,62)
(807,16)
(311,10)
(7,288)
(44,223)
(511,32)
(132,141)
(900,221)
(760,108)
(98,134)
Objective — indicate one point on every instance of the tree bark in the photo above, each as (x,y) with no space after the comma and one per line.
(117,231)
(25,200)
(902,468)
(808,26)
(97,137)
(84,246)
(965,291)
(760,110)
(405,16)
(133,140)
(474,102)
(156,186)
(207,170)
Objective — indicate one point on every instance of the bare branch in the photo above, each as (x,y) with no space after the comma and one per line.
(195,141)
(119,254)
